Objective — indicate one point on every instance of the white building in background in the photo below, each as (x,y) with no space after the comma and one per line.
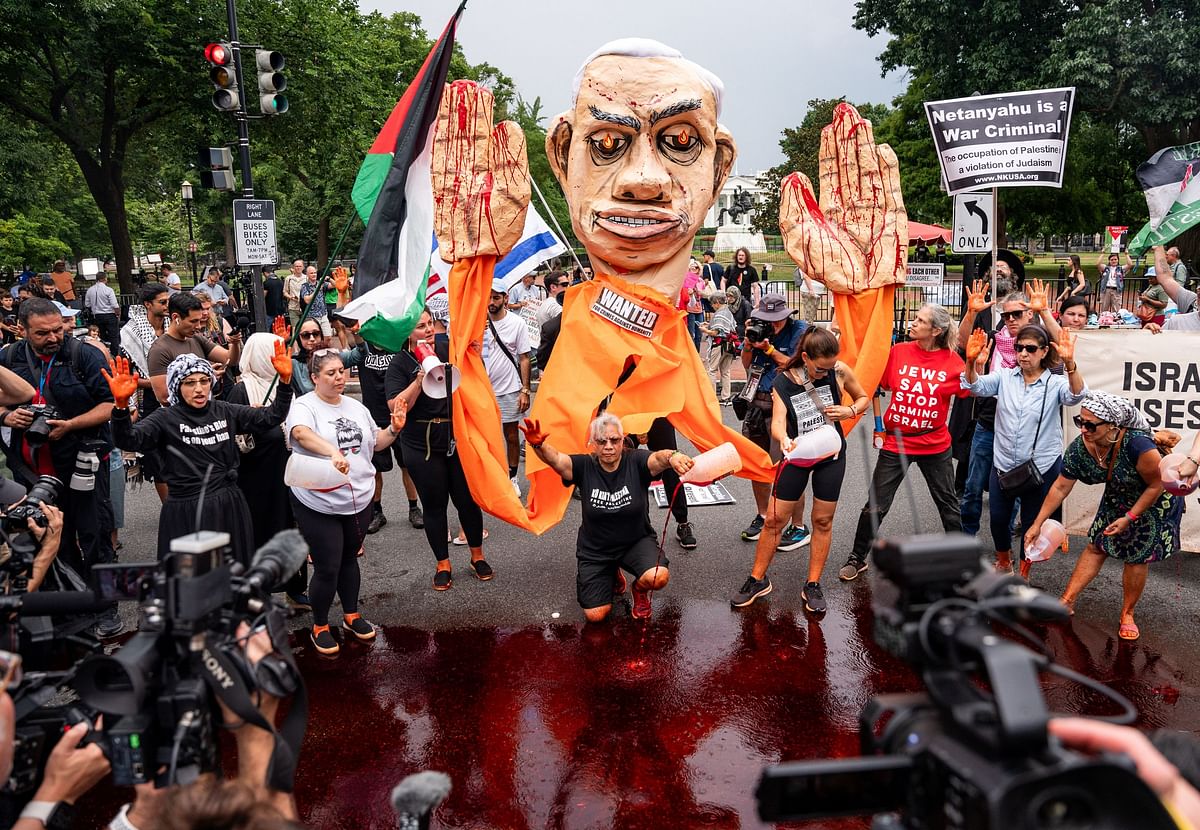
(749,184)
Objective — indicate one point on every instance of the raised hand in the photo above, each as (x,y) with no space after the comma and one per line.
(977,297)
(480,176)
(341,279)
(1066,346)
(856,237)
(976,344)
(1038,292)
(282,361)
(280,328)
(123,384)
(399,414)
(534,436)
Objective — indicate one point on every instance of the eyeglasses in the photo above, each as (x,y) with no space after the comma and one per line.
(1010,315)
(563,284)
(604,442)
(305,335)
(1027,347)
(1089,426)
(10,670)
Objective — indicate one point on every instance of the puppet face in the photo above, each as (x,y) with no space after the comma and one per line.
(641,159)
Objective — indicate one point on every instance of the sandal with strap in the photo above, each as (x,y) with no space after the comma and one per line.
(1129,632)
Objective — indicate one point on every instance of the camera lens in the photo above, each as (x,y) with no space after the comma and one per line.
(1064,809)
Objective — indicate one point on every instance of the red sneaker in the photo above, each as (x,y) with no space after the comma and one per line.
(619,584)
(641,603)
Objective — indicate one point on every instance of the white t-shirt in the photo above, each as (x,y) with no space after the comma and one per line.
(515,335)
(520,293)
(349,427)
(1183,322)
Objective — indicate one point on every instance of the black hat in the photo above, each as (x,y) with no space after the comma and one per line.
(1008,258)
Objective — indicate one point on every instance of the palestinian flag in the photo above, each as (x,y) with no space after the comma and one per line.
(394,196)
(1170,180)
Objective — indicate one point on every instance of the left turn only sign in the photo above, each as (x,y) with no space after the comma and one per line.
(254,232)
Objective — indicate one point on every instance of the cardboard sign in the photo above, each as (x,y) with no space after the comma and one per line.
(1017,139)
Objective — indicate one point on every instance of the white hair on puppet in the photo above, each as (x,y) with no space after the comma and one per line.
(641,47)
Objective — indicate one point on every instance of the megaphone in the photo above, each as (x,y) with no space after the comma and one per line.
(434,384)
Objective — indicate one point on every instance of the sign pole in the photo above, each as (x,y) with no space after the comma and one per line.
(995,250)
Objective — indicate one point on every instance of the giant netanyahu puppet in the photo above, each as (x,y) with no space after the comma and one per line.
(641,157)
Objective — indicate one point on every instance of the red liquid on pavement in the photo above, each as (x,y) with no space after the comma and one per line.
(625,725)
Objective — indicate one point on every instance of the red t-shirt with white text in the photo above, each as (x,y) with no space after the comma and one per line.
(922,385)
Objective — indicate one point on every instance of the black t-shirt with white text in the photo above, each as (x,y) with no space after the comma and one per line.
(615,505)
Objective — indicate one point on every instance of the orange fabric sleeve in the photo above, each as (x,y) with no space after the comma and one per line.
(866,322)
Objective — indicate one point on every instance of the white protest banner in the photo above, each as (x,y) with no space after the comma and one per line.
(1158,373)
(924,274)
(1017,139)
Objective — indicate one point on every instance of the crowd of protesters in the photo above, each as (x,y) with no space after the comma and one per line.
(228,427)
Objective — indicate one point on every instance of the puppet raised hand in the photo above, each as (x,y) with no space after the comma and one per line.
(856,237)
(480,176)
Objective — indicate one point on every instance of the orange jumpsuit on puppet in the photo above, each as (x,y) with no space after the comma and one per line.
(607,325)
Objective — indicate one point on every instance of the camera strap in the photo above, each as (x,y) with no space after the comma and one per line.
(228,683)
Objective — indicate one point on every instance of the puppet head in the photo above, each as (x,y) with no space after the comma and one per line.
(641,158)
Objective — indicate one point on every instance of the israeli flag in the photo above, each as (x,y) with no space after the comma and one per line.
(538,244)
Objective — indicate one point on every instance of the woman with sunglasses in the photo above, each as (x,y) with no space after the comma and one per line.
(427,445)
(196,438)
(615,535)
(1137,522)
(325,423)
(807,395)
(310,340)
(1027,449)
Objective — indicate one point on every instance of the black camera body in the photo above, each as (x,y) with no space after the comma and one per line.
(758,330)
(158,690)
(14,524)
(957,757)
(38,432)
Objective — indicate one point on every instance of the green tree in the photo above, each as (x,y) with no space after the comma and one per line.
(529,115)
(801,146)
(1130,61)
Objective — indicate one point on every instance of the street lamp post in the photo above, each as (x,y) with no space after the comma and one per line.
(185,190)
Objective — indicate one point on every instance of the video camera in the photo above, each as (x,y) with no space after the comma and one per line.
(159,691)
(959,756)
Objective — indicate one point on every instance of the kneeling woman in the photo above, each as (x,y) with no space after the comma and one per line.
(807,395)
(616,534)
(195,438)
(326,424)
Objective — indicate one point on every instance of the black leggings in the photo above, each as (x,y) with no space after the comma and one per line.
(333,541)
(661,436)
(440,479)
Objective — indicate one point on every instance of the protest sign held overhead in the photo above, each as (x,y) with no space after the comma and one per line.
(1017,139)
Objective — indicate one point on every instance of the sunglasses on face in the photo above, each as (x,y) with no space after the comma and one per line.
(1011,315)
(562,284)
(1027,347)
(1088,426)
(309,334)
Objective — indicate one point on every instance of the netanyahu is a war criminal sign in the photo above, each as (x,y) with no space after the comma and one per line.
(1018,139)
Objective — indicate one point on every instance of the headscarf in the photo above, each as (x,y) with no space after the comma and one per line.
(1115,410)
(180,368)
(258,374)
(735,304)
(142,337)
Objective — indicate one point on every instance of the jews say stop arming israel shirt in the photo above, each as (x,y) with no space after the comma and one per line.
(922,385)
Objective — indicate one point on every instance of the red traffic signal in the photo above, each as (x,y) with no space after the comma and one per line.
(218,54)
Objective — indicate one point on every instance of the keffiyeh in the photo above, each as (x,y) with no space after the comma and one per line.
(1115,410)
(180,368)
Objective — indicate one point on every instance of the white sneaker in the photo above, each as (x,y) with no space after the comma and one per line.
(516,486)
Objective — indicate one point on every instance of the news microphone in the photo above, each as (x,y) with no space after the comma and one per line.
(276,561)
(54,603)
(416,797)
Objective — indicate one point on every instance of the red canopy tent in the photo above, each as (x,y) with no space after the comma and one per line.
(930,233)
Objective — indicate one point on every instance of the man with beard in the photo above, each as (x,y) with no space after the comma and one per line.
(147,318)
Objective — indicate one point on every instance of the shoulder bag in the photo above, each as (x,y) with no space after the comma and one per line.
(1025,475)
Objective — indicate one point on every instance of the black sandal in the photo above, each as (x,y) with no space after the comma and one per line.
(442,581)
(482,570)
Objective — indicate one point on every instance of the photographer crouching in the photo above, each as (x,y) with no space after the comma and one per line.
(63,432)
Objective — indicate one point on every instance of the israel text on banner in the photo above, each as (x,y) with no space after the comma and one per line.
(1158,372)
(1017,139)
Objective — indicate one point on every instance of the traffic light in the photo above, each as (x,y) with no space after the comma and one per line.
(223,76)
(216,168)
(271,82)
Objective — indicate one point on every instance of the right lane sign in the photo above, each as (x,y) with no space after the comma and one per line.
(974,223)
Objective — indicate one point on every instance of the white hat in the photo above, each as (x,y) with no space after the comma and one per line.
(65,311)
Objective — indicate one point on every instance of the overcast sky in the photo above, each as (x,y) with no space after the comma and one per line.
(772,56)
